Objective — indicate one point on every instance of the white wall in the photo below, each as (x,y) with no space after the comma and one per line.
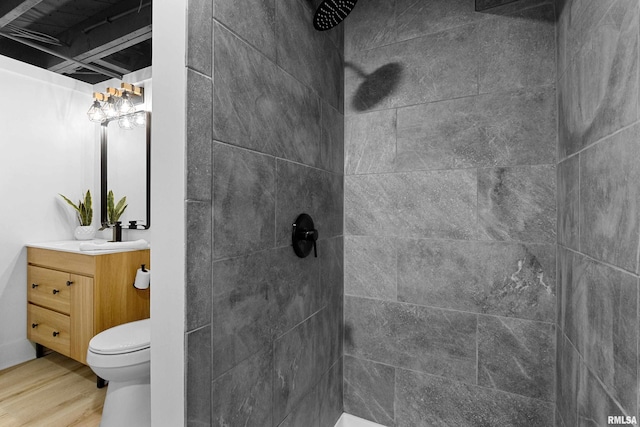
(47,146)
(168,133)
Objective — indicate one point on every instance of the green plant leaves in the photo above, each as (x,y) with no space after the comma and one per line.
(83,209)
(114,212)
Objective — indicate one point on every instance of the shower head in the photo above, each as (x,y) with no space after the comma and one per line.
(331,12)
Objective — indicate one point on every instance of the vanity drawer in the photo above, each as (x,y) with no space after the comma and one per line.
(49,288)
(49,328)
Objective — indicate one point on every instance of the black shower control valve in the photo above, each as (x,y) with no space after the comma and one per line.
(133,225)
(304,236)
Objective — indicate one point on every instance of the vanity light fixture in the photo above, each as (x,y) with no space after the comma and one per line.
(109,108)
(125,106)
(126,122)
(118,104)
(95,113)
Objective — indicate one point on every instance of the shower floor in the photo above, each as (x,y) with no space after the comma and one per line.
(348,420)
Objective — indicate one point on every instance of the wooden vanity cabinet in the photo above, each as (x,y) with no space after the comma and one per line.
(73,296)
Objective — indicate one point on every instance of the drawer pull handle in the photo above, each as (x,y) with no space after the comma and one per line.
(34,325)
(34,285)
(55,291)
(56,333)
(69,283)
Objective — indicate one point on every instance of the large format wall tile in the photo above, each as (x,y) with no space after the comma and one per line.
(569,202)
(259,106)
(306,413)
(610,199)
(506,279)
(501,129)
(198,264)
(370,142)
(369,390)
(595,405)
(576,20)
(418,18)
(601,319)
(567,379)
(332,297)
(257,298)
(434,67)
(518,203)
(242,396)
(331,257)
(243,201)
(516,356)
(199,38)
(386,205)
(199,127)
(331,140)
(330,395)
(198,377)
(370,267)
(599,91)
(301,358)
(426,401)
(370,24)
(302,189)
(253,20)
(517,51)
(431,340)
(306,53)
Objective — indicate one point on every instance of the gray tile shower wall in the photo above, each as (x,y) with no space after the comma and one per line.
(265,131)
(450,213)
(598,211)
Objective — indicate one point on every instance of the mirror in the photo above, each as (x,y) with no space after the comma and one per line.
(125,165)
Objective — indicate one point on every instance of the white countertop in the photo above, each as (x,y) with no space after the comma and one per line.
(74,247)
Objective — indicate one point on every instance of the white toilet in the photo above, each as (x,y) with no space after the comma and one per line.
(121,356)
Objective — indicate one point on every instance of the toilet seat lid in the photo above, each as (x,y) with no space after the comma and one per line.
(125,338)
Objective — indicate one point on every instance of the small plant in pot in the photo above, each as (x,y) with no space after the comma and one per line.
(115,210)
(84,211)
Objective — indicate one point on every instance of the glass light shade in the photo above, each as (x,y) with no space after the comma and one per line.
(109,108)
(126,122)
(139,118)
(95,113)
(125,106)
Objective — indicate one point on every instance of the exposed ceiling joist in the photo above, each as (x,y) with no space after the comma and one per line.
(74,36)
(52,52)
(10,10)
(112,65)
(99,36)
(109,47)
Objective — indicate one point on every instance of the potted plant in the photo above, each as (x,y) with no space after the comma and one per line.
(115,210)
(84,210)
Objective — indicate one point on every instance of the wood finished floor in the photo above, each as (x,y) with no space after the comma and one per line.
(53,391)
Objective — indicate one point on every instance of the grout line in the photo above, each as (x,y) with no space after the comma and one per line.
(441,239)
(603,139)
(601,262)
(440,170)
(477,350)
(528,89)
(397,368)
(453,310)
(579,225)
(277,157)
